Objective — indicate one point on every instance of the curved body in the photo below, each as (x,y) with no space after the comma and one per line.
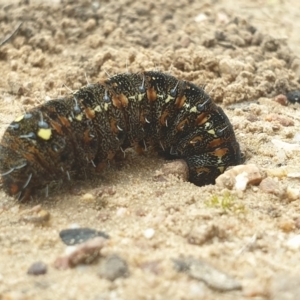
(69,136)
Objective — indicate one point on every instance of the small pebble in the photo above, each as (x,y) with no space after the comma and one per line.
(88,197)
(282,120)
(293,174)
(149,233)
(17,88)
(176,168)
(75,236)
(292,193)
(205,272)
(205,233)
(281,99)
(200,18)
(110,191)
(277,172)
(85,253)
(152,267)
(271,186)
(294,242)
(239,177)
(233,67)
(37,268)
(35,215)
(252,118)
(90,24)
(293,96)
(121,211)
(286,225)
(113,267)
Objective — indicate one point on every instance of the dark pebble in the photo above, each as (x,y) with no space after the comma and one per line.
(37,268)
(294,96)
(75,236)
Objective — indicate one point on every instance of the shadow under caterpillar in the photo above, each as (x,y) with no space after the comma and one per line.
(64,138)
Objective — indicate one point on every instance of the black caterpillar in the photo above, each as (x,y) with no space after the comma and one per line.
(66,137)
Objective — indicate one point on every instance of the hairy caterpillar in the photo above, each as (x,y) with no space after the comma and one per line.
(66,137)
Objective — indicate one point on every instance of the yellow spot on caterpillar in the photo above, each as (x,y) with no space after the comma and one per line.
(20,118)
(70,119)
(207,125)
(98,108)
(219,160)
(169,98)
(44,133)
(105,106)
(221,169)
(140,97)
(193,109)
(79,117)
(212,131)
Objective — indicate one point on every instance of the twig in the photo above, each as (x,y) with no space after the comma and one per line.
(11,36)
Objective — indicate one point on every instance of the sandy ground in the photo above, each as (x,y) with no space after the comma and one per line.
(251,235)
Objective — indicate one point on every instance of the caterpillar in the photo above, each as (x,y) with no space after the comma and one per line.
(64,138)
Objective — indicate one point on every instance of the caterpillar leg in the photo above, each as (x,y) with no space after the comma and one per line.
(204,168)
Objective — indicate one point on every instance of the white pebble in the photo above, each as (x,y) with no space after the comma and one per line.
(149,233)
(74,225)
(121,211)
(241,181)
(239,177)
(200,18)
(70,249)
(294,242)
(293,174)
